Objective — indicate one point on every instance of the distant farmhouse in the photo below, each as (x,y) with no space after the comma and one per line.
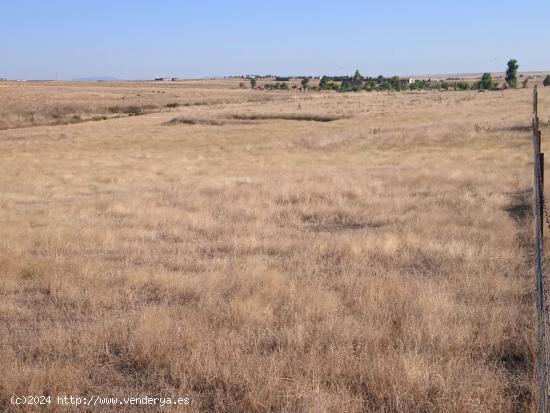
(3,79)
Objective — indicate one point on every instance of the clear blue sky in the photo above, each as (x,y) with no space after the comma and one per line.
(143,39)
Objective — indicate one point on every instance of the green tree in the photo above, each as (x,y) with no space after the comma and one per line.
(370,85)
(486,82)
(253,82)
(305,82)
(345,87)
(396,83)
(324,84)
(357,75)
(511,73)
(418,84)
(546,81)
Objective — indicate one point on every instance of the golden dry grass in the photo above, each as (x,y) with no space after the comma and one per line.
(377,262)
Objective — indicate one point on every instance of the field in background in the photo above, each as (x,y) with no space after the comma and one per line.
(53,103)
(268,251)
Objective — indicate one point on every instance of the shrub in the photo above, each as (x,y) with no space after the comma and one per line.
(277,86)
(418,85)
(486,82)
(326,85)
(172,105)
(546,81)
(345,87)
(287,116)
(253,82)
(396,83)
(305,82)
(133,110)
(130,110)
(61,112)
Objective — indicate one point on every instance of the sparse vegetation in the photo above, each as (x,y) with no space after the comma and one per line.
(546,81)
(185,120)
(287,116)
(276,86)
(325,84)
(130,110)
(57,106)
(377,263)
(252,117)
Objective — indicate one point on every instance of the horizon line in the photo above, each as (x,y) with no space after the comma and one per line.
(248,75)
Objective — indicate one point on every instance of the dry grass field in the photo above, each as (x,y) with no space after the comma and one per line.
(266,251)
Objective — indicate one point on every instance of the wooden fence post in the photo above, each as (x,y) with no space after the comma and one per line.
(541,196)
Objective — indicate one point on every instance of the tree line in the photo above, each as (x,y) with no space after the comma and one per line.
(358,83)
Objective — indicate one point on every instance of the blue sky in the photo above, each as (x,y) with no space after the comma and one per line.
(141,39)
